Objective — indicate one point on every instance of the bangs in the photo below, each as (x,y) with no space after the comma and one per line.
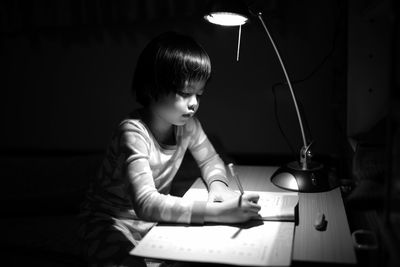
(194,67)
(182,62)
(167,64)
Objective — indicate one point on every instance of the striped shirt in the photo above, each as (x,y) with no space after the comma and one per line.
(136,175)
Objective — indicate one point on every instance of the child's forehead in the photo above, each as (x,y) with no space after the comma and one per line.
(194,86)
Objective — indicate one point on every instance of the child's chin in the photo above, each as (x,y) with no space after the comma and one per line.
(180,123)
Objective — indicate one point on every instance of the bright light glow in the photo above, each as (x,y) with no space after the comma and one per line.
(293,183)
(226,19)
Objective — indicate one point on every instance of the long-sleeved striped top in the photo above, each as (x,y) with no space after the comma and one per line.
(136,175)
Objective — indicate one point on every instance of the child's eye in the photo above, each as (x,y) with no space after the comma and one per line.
(187,95)
(183,94)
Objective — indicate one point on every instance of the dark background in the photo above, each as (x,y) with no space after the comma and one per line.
(67,66)
(65,75)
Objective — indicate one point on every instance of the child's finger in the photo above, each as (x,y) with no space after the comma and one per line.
(252,197)
(255,206)
(256,217)
(252,214)
(250,206)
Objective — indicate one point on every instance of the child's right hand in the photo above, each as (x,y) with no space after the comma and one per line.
(229,211)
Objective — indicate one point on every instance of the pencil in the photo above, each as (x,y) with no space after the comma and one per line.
(236,178)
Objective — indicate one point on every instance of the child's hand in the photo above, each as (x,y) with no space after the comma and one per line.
(229,211)
(219,192)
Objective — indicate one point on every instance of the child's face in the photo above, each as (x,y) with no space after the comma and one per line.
(177,108)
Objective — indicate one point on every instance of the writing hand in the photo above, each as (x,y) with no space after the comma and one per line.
(230,212)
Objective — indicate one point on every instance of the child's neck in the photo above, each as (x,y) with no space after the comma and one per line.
(164,134)
(161,130)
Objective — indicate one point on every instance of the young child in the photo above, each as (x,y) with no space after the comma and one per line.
(146,150)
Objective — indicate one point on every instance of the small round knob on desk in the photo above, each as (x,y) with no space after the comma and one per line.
(320,222)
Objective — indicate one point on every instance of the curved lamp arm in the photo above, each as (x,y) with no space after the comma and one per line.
(305,152)
(259,15)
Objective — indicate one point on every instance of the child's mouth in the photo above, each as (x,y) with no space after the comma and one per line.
(188,115)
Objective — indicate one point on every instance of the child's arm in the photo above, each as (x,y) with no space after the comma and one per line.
(151,205)
(211,165)
(133,153)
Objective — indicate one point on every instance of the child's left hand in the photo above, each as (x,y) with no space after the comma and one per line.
(219,192)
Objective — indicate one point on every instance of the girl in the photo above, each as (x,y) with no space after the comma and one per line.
(146,150)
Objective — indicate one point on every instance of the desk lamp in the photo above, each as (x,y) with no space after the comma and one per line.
(304,175)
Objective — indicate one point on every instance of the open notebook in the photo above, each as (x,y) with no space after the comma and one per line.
(255,243)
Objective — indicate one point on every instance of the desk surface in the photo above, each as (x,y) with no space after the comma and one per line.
(334,245)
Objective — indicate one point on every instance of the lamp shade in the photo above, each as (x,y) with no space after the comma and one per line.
(227,13)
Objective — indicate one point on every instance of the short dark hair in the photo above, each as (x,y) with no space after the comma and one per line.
(168,62)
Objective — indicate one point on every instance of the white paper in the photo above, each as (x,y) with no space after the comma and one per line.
(256,243)
(259,243)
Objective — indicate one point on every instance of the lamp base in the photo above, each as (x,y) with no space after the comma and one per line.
(313,179)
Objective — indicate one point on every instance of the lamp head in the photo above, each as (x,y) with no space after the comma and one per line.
(227,13)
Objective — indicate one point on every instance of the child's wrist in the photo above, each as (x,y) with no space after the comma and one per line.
(217,184)
(212,212)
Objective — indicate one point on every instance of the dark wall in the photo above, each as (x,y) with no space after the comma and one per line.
(67,87)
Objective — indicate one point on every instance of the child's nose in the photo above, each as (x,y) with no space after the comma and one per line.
(193,102)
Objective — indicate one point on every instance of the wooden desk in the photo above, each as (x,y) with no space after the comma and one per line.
(334,245)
